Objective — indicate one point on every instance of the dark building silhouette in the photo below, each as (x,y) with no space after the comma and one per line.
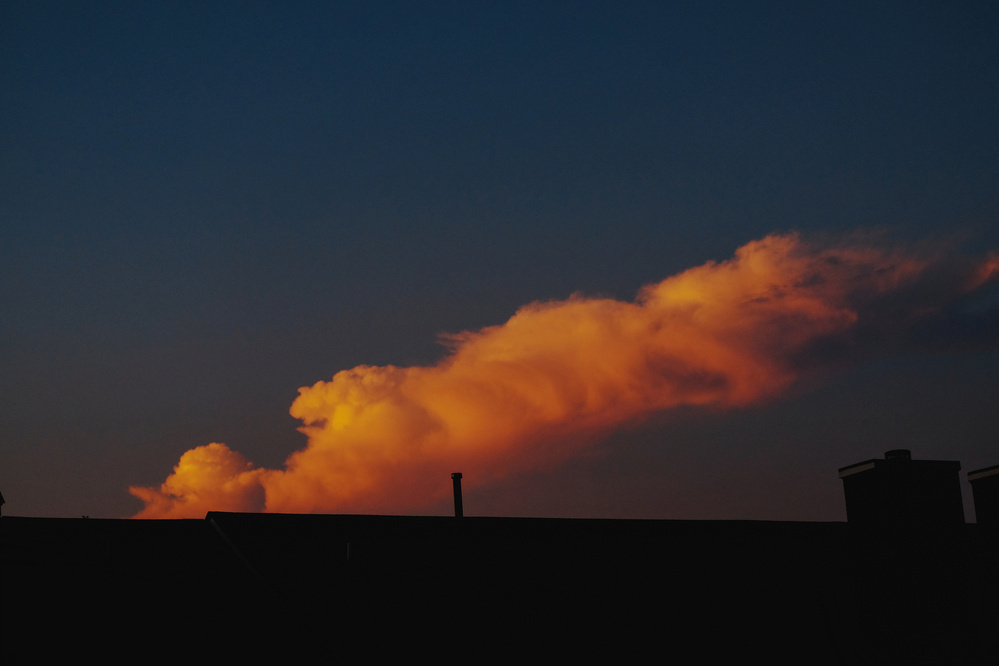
(985,491)
(900,491)
(326,589)
(373,589)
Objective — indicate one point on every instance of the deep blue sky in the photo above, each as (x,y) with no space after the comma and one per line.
(204,206)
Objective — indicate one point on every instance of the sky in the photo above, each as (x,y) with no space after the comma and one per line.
(611,260)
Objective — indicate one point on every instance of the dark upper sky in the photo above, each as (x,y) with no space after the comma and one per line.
(205,206)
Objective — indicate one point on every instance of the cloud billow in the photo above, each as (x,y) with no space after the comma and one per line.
(559,376)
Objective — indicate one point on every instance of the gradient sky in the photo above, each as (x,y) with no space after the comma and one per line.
(206,206)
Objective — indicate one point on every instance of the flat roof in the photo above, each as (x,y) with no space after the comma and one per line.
(982,473)
(873,463)
(857,467)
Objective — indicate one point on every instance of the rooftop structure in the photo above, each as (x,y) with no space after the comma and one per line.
(985,491)
(900,491)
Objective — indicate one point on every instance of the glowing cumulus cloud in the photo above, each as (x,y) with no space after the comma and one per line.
(559,375)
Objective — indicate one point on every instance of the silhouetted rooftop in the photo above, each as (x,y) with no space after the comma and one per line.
(271,588)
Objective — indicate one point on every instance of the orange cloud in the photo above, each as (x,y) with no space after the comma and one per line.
(558,375)
(207,476)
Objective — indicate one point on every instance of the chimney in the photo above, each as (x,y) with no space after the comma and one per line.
(456,480)
(985,491)
(900,491)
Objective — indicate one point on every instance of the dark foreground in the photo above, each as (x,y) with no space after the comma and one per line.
(296,589)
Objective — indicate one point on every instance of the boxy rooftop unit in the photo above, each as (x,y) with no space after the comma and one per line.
(900,491)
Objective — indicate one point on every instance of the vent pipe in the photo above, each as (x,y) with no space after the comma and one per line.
(456,480)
